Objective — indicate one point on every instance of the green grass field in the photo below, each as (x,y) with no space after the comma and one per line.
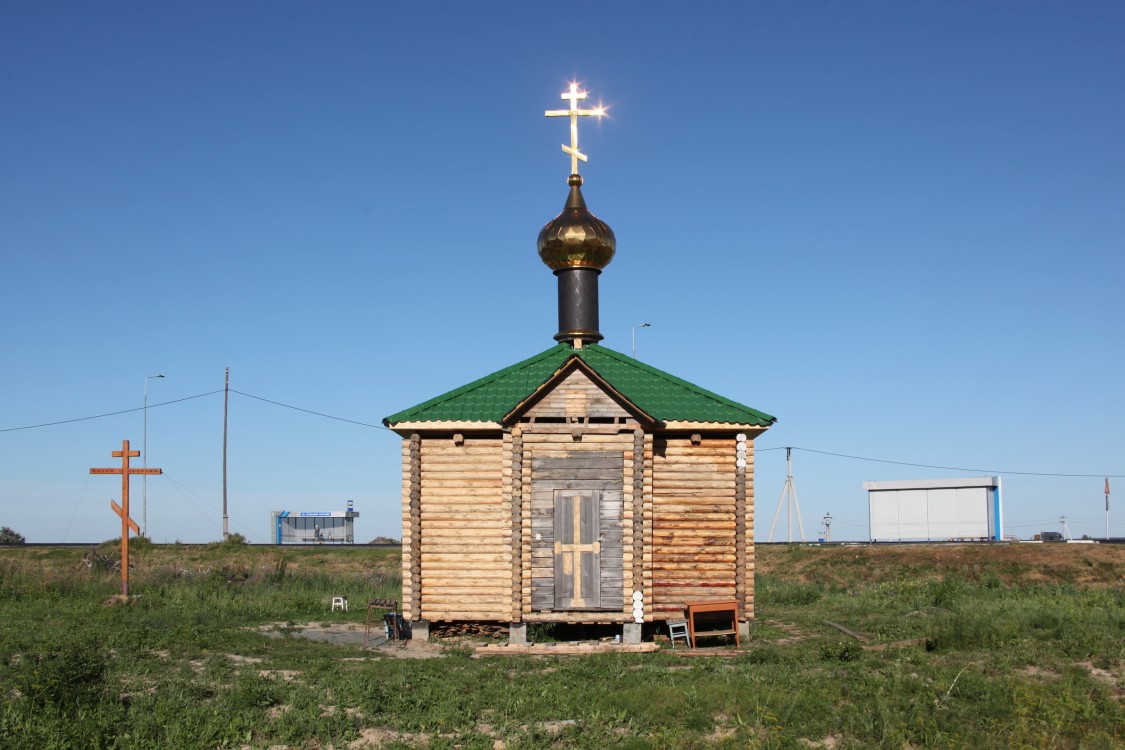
(1018,647)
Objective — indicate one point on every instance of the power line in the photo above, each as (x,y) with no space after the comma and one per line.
(187,493)
(947,468)
(108,414)
(189,398)
(759,450)
(308,411)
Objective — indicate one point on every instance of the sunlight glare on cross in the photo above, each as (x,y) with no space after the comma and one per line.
(574,96)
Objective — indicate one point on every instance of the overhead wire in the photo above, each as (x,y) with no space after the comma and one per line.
(108,414)
(188,493)
(309,411)
(74,512)
(944,468)
(759,450)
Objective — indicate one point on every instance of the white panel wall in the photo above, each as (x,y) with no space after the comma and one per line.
(972,512)
(931,514)
(942,513)
(913,514)
(884,515)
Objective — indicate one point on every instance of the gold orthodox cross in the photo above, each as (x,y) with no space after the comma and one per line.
(123,510)
(574,96)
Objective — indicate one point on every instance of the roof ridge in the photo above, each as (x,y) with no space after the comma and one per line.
(655,392)
(685,384)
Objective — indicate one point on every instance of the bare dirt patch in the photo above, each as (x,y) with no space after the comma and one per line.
(353,633)
(285,675)
(240,659)
(378,736)
(793,634)
(1114,679)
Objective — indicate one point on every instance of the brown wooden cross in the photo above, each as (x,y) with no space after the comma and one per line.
(123,510)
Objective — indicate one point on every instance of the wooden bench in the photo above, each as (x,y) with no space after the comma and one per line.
(727,606)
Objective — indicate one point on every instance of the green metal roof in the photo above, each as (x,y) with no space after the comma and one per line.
(662,396)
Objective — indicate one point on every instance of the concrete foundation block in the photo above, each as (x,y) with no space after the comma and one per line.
(744,629)
(420,630)
(631,632)
(517,633)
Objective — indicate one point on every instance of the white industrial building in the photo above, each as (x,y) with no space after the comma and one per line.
(935,510)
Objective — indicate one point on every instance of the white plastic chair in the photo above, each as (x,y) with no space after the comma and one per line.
(678,629)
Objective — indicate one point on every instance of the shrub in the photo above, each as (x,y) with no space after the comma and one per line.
(68,676)
(1077,623)
(383,540)
(841,650)
(11,536)
(99,559)
(947,591)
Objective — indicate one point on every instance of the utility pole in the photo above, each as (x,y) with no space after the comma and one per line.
(144,453)
(789,500)
(1107,509)
(226,402)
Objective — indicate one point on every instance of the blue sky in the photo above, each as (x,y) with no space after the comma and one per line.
(898,227)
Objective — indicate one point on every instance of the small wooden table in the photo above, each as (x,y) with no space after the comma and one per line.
(695,608)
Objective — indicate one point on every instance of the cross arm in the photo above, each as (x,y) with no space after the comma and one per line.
(566,112)
(575,153)
(121,513)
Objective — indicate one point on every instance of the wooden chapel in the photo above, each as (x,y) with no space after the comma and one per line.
(579,485)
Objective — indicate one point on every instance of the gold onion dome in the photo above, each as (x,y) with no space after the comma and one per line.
(576,238)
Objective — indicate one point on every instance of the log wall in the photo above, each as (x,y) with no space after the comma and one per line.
(694,539)
(409,534)
(748,535)
(465,530)
(678,521)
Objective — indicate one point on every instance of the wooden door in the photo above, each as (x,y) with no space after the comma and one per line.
(577,549)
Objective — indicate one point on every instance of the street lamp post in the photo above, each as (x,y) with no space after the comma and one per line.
(642,325)
(144,454)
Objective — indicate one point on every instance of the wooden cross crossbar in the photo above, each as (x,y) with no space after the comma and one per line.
(122,510)
(570,552)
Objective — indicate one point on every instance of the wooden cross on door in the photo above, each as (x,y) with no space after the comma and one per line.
(123,510)
(577,549)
